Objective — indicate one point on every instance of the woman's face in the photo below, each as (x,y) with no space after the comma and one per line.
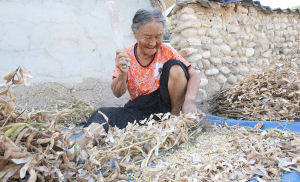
(150,37)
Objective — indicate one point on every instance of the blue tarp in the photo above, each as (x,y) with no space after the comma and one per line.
(288,126)
(227,1)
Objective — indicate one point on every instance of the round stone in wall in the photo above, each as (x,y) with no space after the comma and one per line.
(194,58)
(227,59)
(187,10)
(239,51)
(233,70)
(231,79)
(215,50)
(200,65)
(228,37)
(266,54)
(188,17)
(202,95)
(189,33)
(215,61)
(205,47)
(201,32)
(259,62)
(218,41)
(203,82)
(221,79)
(233,53)
(239,77)
(174,40)
(252,61)
(225,49)
(224,70)
(250,45)
(206,64)
(206,55)
(232,44)
(249,52)
(187,51)
(213,33)
(256,54)
(212,71)
(243,70)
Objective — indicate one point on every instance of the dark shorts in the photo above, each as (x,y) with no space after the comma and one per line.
(142,107)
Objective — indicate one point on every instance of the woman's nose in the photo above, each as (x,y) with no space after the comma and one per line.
(152,42)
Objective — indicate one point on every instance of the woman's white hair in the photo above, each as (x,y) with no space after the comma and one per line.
(146,15)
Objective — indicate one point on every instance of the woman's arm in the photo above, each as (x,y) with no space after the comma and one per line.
(119,84)
(189,104)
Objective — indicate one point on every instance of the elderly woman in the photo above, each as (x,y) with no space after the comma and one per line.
(159,79)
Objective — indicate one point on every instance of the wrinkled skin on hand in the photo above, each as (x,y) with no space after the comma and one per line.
(121,59)
(190,107)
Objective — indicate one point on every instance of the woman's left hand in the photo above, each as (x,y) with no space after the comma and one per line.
(190,107)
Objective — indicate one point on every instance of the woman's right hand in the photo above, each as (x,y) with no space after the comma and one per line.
(121,59)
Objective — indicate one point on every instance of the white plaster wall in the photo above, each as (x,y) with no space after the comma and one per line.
(63,41)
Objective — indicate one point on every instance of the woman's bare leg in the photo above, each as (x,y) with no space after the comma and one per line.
(177,88)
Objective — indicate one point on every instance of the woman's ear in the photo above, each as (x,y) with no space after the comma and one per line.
(134,34)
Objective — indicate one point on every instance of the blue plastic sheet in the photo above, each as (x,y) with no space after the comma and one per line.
(287,126)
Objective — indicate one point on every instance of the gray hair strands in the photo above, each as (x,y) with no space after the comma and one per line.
(146,15)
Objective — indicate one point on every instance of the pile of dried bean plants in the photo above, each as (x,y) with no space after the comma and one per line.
(38,149)
(272,94)
(69,114)
(221,154)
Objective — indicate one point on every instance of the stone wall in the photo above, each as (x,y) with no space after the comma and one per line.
(224,44)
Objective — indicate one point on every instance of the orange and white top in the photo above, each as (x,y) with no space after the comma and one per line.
(143,80)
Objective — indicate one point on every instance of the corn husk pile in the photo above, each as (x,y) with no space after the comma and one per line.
(270,95)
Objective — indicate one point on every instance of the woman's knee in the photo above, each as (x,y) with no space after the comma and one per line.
(176,73)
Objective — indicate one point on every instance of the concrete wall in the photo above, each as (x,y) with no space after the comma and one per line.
(224,44)
(63,41)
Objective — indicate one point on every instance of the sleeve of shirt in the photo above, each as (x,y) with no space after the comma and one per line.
(115,73)
(176,55)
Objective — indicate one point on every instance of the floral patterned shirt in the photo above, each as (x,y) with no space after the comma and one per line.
(143,80)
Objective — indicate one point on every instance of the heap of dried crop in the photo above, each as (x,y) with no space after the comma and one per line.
(42,150)
(272,94)
(7,107)
(67,113)
(71,113)
(228,154)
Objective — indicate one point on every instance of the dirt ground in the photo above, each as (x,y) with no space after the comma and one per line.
(45,95)
(48,95)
